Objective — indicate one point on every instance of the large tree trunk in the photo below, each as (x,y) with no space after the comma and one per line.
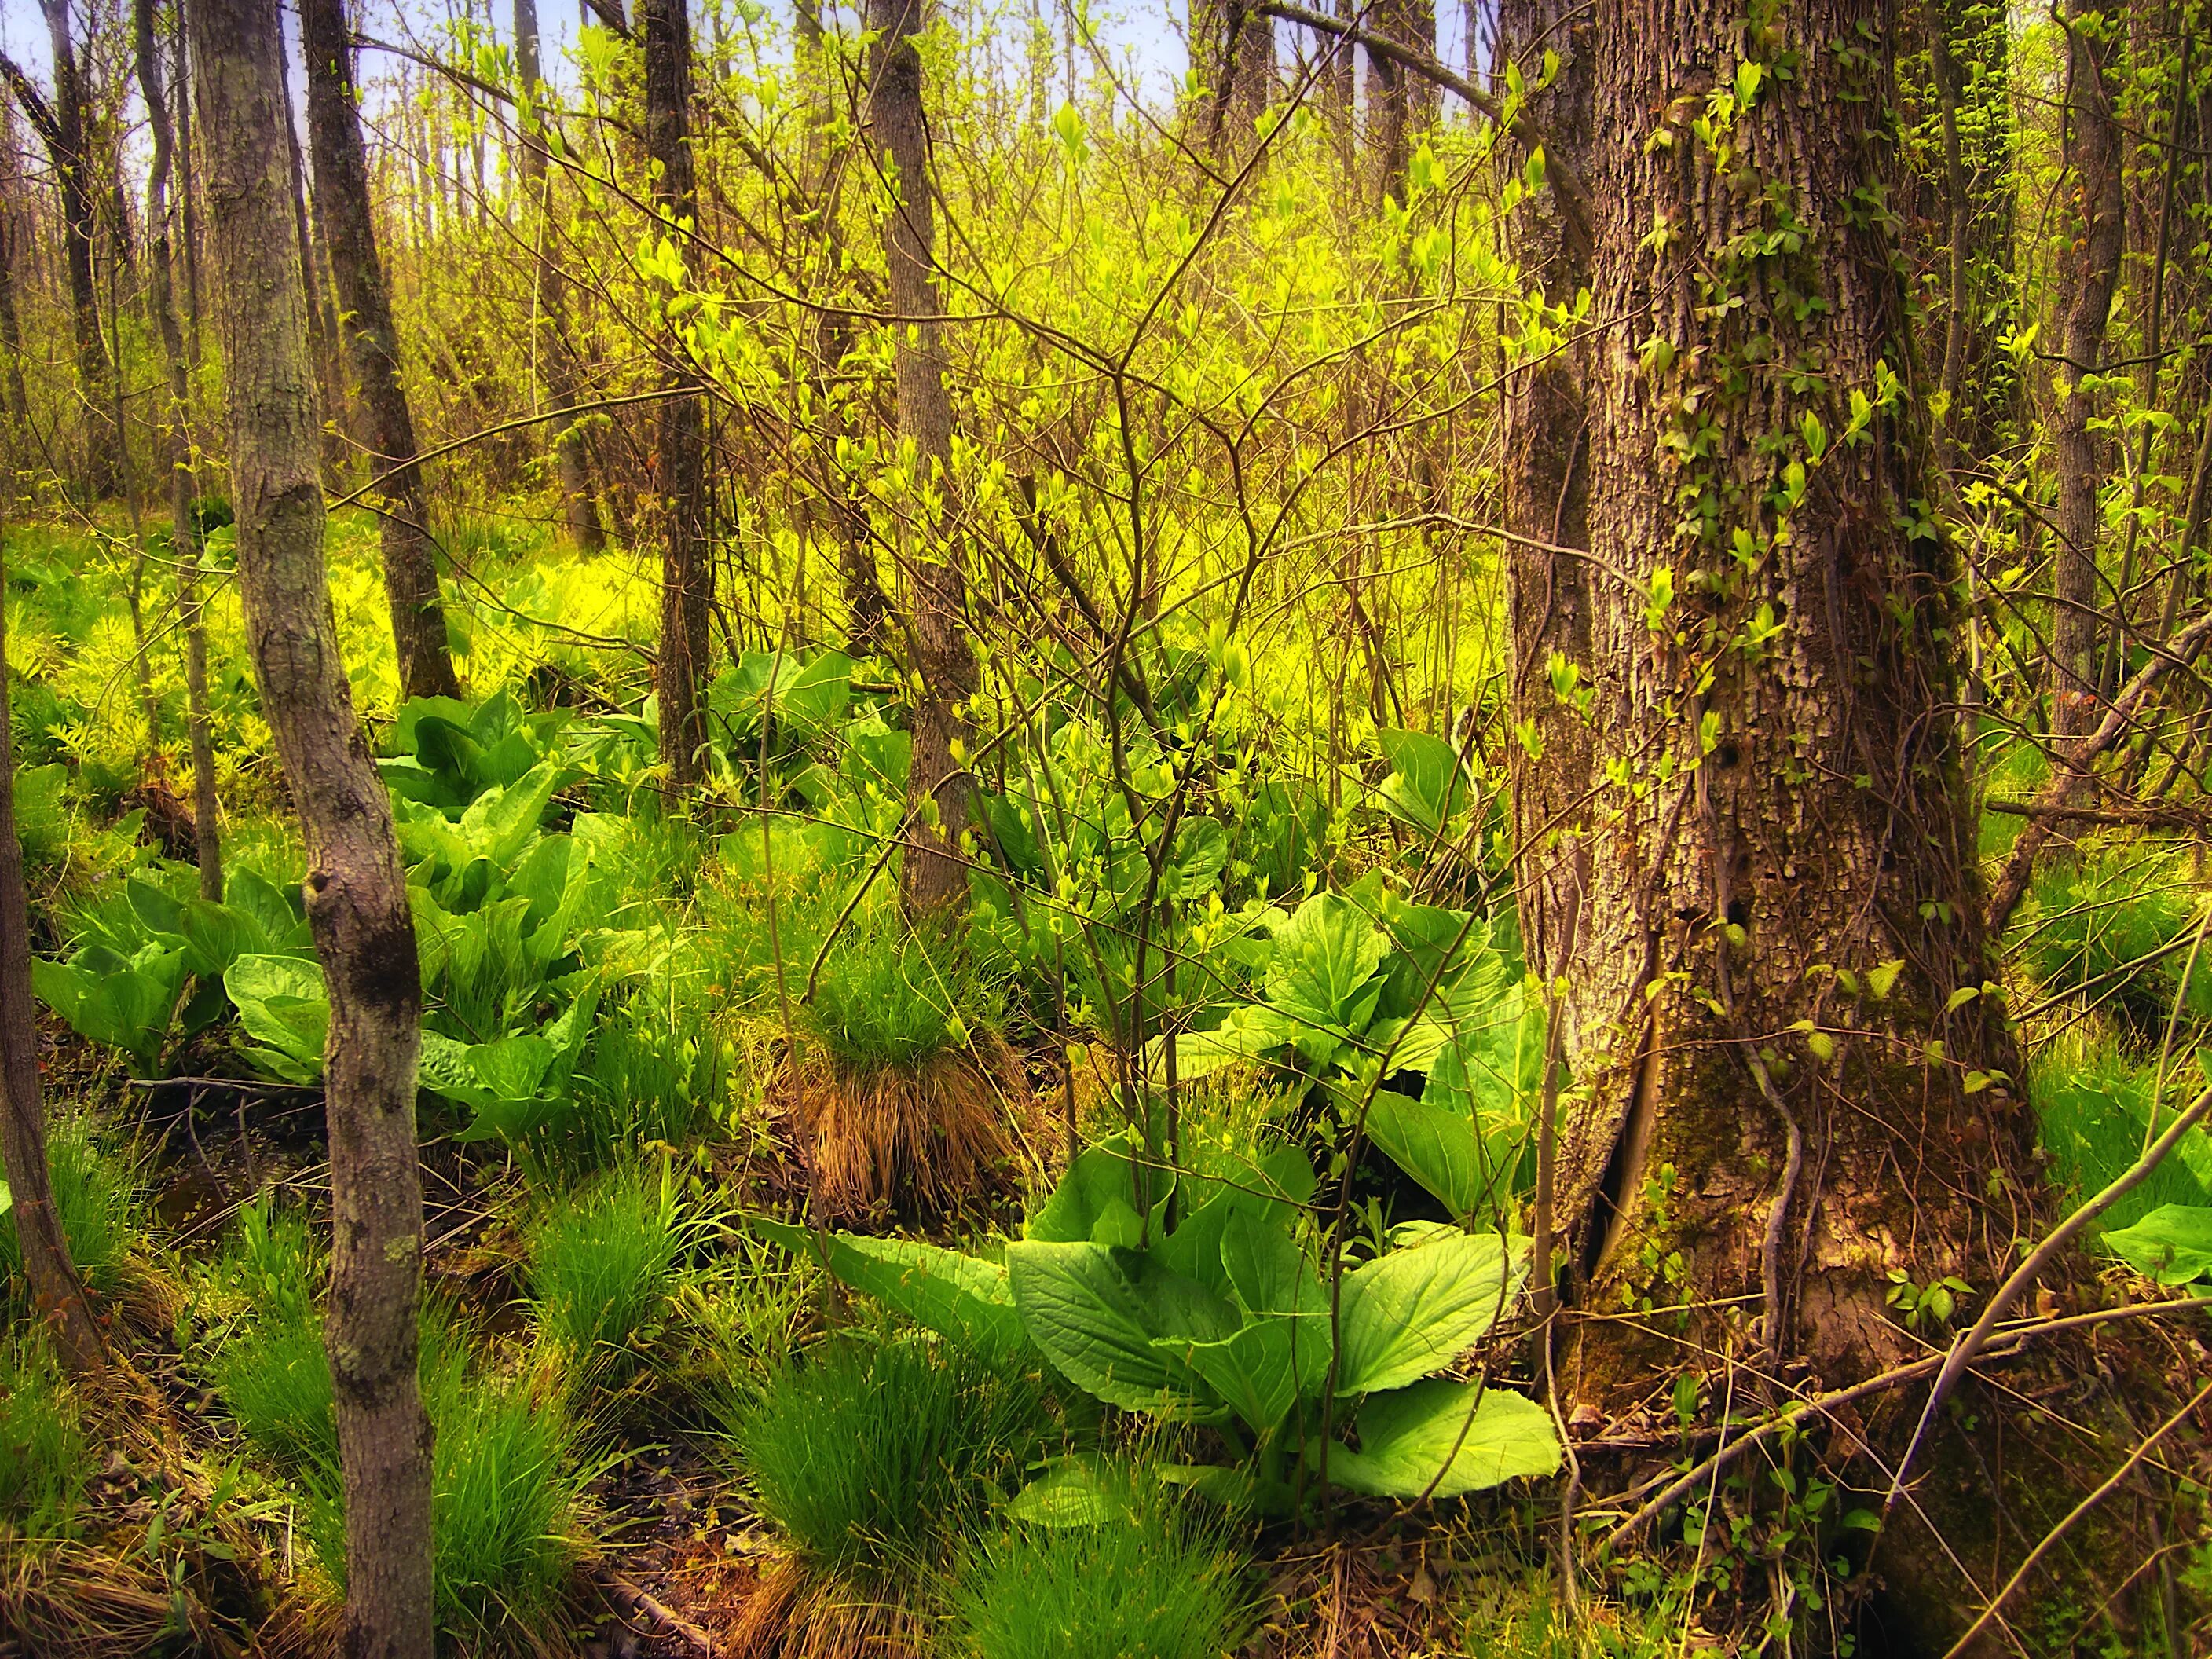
(341,165)
(177,434)
(685,585)
(2089,277)
(580,509)
(1763,818)
(56,1291)
(355,889)
(61,127)
(932,877)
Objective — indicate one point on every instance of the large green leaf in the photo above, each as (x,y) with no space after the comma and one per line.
(1084,1304)
(1322,973)
(125,1002)
(1444,1438)
(1427,787)
(961,1297)
(283,1005)
(1416,1309)
(1111,1174)
(1466,1163)
(2172,1244)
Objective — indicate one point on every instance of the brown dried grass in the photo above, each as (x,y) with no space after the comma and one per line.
(928,1139)
(795,1613)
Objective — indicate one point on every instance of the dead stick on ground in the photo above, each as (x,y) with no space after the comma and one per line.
(634,1598)
(2103,1492)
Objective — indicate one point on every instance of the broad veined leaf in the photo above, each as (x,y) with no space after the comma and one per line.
(500,823)
(2172,1244)
(1079,1304)
(1249,1032)
(283,1007)
(1466,1163)
(1074,1493)
(957,1296)
(1446,1438)
(1116,1171)
(1412,1311)
(1322,973)
(1427,787)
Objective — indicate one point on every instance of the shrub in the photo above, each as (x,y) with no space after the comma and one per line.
(600,1264)
(1150,1582)
(45,1460)
(875,1457)
(99,1196)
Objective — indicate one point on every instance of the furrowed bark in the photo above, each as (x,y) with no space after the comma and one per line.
(355,888)
(1778,827)
(685,585)
(932,880)
(341,167)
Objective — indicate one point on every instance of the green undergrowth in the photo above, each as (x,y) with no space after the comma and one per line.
(604,1261)
(45,1459)
(875,1458)
(2098,1113)
(99,1195)
(1160,1576)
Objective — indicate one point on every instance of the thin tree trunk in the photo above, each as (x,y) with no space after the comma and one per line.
(1234,48)
(1779,829)
(685,585)
(1401,105)
(932,877)
(60,126)
(187,198)
(355,888)
(2089,275)
(56,1290)
(184,532)
(11,330)
(322,329)
(341,164)
(580,508)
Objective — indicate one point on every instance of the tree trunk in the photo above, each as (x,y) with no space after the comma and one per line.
(2089,276)
(177,429)
(1234,48)
(341,164)
(56,1291)
(685,587)
(933,879)
(60,126)
(580,508)
(322,326)
(11,328)
(1777,829)
(1401,105)
(355,889)
(187,198)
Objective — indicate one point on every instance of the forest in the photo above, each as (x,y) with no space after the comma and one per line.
(953,830)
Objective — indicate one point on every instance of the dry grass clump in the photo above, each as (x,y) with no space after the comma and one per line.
(922,1138)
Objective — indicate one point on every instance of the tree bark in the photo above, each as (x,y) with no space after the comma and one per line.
(932,877)
(1778,828)
(322,324)
(1401,105)
(1233,44)
(685,585)
(355,888)
(177,433)
(61,127)
(580,508)
(56,1291)
(341,165)
(2088,278)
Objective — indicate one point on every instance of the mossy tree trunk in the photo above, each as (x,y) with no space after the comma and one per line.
(1748,843)
(341,168)
(356,887)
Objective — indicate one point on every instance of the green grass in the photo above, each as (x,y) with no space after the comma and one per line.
(2094,1114)
(44,1459)
(2118,925)
(1156,1582)
(887,996)
(100,1196)
(602,1265)
(654,1072)
(741,1319)
(874,1458)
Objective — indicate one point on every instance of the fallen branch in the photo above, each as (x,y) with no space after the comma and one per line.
(634,1601)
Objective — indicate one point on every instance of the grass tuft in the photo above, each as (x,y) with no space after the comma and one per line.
(1154,1582)
(100,1196)
(601,1265)
(44,1459)
(875,1458)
